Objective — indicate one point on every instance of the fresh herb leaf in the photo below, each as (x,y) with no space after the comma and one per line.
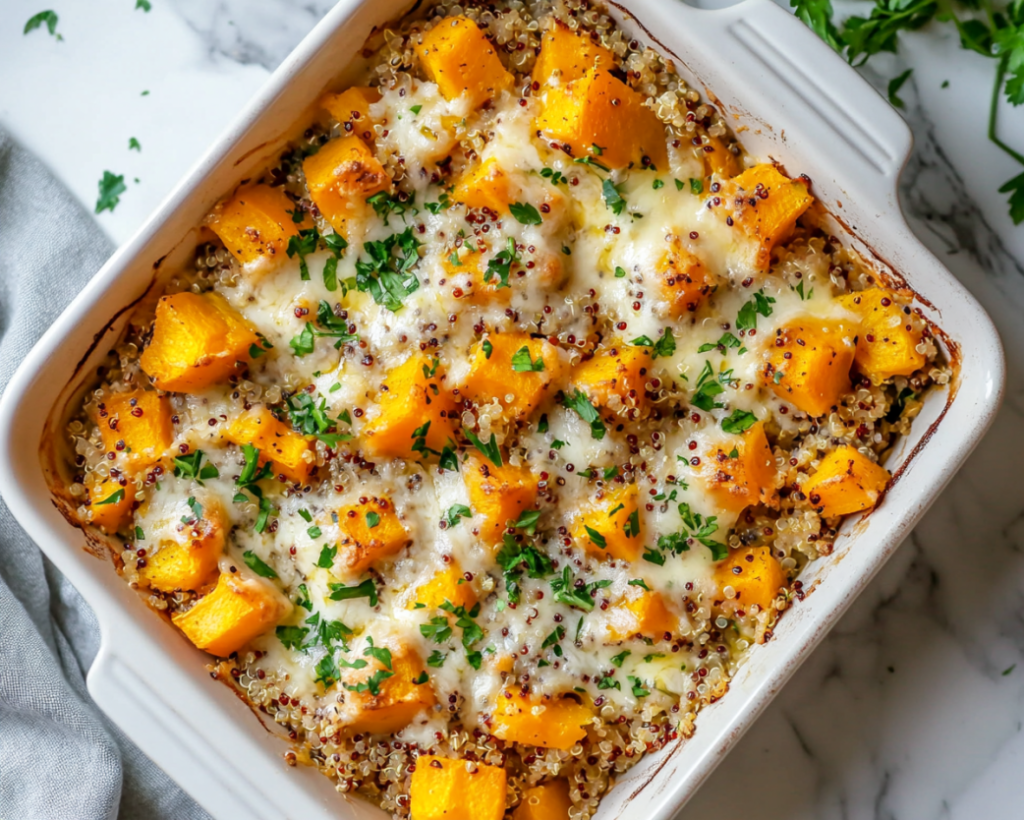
(696,186)
(618,659)
(415,108)
(372,520)
(501,265)
(436,659)
(608,682)
(706,390)
(581,597)
(365,589)
(637,685)
(384,204)
(665,346)
(387,274)
(580,404)
(525,213)
(134,145)
(817,14)
(111,187)
(739,421)
(191,466)
(620,273)
(488,349)
(727,341)
(115,497)
(639,582)
(327,555)
(523,363)
(257,565)
(527,521)
(456,513)
(613,197)
(327,671)
(48,17)
(490,449)
(291,636)
(596,538)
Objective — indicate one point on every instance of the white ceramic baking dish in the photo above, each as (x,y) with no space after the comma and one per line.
(791,99)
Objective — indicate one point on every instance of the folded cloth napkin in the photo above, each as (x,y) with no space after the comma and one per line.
(59,756)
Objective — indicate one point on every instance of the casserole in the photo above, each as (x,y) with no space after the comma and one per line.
(873,152)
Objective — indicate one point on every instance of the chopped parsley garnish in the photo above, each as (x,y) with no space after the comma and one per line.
(639,582)
(612,197)
(523,363)
(387,274)
(739,421)
(436,659)
(593,163)
(608,682)
(421,678)
(665,346)
(706,390)
(48,17)
(553,176)
(632,526)
(527,521)
(553,639)
(252,473)
(327,555)
(760,304)
(456,513)
(111,187)
(365,589)
(330,326)
(134,145)
(699,529)
(438,629)
(638,689)
(618,659)
(372,520)
(488,349)
(442,204)
(415,108)
(514,558)
(579,403)
(490,449)
(581,597)
(465,620)
(657,184)
(302,245)
(727,340)
(696,186)
(525,213)
(800,292)
(310,418)
(595,537)
(620,273)
(191,466)
(542,425)
(257,565)
(291,636)
(327,671)
(384,204)
(501,265)
(115,497)
(610,472)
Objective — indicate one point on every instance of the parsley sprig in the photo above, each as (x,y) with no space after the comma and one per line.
(386,274)
(578,595)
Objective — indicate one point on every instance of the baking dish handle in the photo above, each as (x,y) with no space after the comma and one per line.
(165,735)
(791,68)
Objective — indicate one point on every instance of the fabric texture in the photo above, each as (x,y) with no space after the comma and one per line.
(60,757)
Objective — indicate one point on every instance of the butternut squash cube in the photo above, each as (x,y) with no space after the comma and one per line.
(549,722)
(341,176)
(887,344)
(235,612)
(769,205)
(498,494)
(619,370)
(486,187)
(198,341)
(817,373)
(735,482)
(399,699)
(457,56)
(683,281)
(412,396)
(351,108)
(191,561)
(108,510)
(614,529)
(442,789)
(256,223)
(277,442)
(645,615)
(446,585)
(847,481)
(493,373)
(754,573)
(548,801)
(570,53)
(370,533)
(719,161)
(138,424)
(598,109)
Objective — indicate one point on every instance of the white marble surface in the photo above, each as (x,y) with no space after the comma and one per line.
(904,713)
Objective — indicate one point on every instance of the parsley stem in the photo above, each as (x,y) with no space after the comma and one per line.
(994,109)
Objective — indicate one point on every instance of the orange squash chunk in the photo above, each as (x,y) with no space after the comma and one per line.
(399,699)
(499,494)
(570,53)
(370,533)
(277,442)
(486,187)
(754,573)
(235,612)
(683,281)
(492,375)
(198,341)
(887,344)
(256,223)
(553,723)
(619,370)
(351,108)
(719,161)
(188,563)
(447,585)
(548,801)
(737,482)
(614,529)
(769,205)
(341,176)
(817,373)
(457,56)
(117,511)
(598,109)
(138,424)
(645,615)
(442,789)
(409,399)
(847,481)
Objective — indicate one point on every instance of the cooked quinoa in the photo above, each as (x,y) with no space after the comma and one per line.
(468,438)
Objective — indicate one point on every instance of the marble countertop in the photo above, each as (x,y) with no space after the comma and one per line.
(913,707)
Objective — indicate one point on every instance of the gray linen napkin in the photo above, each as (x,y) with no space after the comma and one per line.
(60,758)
